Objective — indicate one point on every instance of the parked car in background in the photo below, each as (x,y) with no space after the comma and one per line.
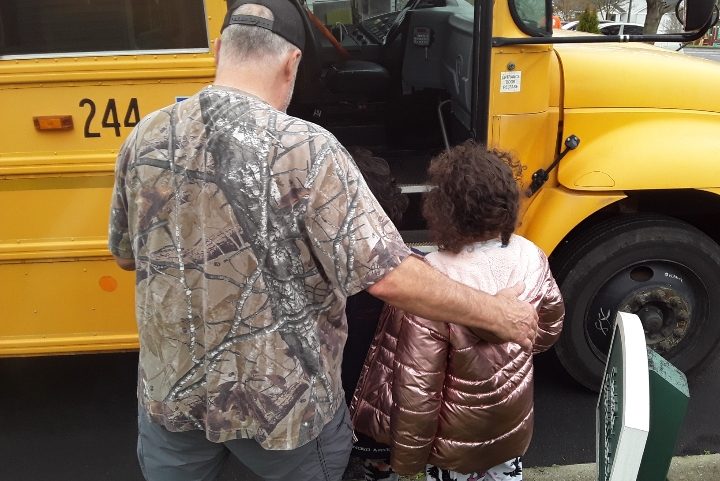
(573,25)
(621,28)
(608,27)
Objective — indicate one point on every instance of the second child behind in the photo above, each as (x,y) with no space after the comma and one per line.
(448,402)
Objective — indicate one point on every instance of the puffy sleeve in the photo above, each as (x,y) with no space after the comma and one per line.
(551,311)
(372,401)
(419,376)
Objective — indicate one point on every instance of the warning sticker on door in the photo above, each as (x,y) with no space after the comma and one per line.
(510,81)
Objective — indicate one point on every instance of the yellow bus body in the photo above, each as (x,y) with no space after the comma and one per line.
(60,290)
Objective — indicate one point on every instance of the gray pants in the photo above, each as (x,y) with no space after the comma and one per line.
(189,456)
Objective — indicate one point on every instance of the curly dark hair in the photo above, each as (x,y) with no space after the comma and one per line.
(377,175)
(476,196)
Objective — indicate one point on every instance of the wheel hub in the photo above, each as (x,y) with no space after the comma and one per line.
(652,319)
(662,294)
(664,313)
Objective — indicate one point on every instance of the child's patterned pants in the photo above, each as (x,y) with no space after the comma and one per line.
(510,470)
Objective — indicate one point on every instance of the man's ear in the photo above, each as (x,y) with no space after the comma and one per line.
(292,63)
(216,50)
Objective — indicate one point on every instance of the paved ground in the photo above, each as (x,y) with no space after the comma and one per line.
(687,468)
(690,468)
(73,418)
(684,468)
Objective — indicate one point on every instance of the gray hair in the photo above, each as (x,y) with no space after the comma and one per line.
(243,42)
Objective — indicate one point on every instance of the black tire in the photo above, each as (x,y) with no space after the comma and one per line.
(663,269)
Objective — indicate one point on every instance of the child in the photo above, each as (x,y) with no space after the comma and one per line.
(363,312)
(445,399)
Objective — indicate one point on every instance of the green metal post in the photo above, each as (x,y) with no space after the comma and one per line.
(669,397)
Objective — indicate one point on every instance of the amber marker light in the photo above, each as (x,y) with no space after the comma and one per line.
(53,122)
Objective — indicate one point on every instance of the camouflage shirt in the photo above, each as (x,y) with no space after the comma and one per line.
(249,228)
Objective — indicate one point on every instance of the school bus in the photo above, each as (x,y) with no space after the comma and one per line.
(618,143)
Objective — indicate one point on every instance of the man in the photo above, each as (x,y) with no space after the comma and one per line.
(248,229)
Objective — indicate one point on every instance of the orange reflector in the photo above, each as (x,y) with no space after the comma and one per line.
(53,122)
(108,283)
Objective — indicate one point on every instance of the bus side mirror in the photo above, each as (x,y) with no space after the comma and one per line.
(697,14)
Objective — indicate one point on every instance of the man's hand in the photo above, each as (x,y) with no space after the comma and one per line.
(520,320)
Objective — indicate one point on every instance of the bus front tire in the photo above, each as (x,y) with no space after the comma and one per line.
(662,269)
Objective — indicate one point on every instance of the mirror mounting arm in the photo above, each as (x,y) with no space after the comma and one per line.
(541,175)
(681,37)
(678,37)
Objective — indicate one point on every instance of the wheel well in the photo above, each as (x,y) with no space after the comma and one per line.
(698,208)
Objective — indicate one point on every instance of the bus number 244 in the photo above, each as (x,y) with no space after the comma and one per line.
(110,118)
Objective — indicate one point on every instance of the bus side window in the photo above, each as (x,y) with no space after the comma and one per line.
(8,27)
(37,27)
(169,24)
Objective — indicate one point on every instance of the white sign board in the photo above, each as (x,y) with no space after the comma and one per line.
(510,81)
(623,410)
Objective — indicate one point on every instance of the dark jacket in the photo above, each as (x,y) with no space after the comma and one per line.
(363,314)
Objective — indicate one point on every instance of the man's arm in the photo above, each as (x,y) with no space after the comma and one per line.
(125,264)
(417,288)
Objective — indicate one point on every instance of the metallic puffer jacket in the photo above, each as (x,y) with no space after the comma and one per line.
(439,394)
